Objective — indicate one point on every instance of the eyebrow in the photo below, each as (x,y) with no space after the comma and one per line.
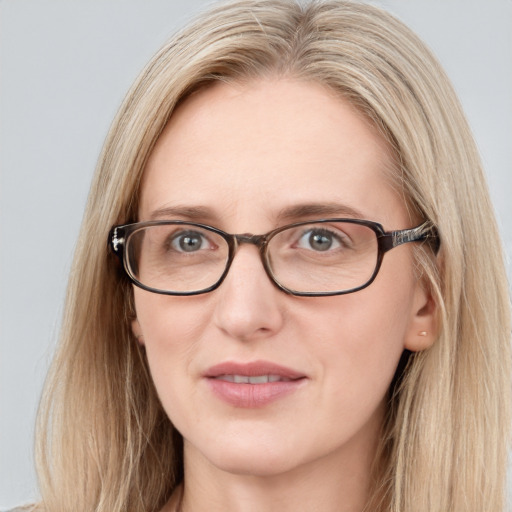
(287,214)
(188,212)
(317,210)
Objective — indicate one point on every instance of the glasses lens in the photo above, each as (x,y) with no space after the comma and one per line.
(176,258)
(323,257)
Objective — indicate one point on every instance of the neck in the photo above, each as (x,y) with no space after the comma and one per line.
(337,482)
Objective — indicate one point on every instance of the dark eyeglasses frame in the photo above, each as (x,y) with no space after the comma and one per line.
(387,240)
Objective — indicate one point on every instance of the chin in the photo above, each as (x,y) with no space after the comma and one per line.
(257,457)
(262,465)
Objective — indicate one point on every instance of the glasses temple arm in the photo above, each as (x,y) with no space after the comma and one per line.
(425,231)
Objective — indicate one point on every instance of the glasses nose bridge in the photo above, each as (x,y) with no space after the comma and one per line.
(260,241)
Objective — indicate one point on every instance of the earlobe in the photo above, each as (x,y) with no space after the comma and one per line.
(422,329)
(137,332)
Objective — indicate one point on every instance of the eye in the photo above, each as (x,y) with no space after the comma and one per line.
(189,241)
(320,239)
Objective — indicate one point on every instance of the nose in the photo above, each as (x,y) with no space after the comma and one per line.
(249,306)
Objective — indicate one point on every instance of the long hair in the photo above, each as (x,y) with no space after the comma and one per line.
(104,441)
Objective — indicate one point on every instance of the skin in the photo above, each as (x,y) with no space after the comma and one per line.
(245,152)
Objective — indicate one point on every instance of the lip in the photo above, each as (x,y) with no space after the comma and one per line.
(284,381)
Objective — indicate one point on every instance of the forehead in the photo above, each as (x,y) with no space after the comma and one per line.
(254,149)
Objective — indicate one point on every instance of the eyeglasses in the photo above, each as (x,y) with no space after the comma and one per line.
(312,258)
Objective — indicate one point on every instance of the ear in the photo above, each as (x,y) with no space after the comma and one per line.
(422,329)
(137,332)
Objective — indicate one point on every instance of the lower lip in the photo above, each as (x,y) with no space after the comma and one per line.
(253,395)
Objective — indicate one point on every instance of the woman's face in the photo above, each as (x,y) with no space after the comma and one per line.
(248,159)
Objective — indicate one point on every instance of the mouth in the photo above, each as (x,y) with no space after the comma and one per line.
(257,379)
(253,385)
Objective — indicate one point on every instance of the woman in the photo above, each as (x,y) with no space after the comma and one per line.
(357,359)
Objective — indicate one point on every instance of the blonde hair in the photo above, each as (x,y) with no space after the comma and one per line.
(104,441)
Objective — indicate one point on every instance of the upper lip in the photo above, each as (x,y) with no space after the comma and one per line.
(253,369)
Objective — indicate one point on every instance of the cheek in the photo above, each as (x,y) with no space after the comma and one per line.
(167,322)
(359,340)
(172,328)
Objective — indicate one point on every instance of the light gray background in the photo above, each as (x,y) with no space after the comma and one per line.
(65,66)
